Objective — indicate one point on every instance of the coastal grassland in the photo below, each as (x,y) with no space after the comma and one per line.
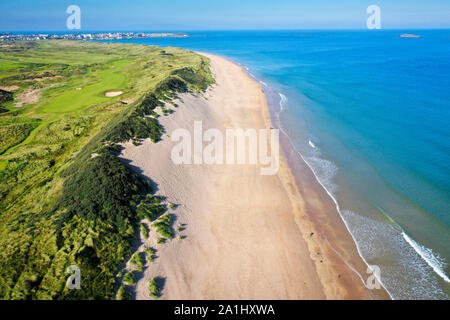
(81,94)
(65,198)
(14,132)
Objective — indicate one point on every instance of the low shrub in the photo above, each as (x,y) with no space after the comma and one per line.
(136,260)
(150,253)
(122,294)
(154,288)
(129,278)
(150,211)
(163,226)
(144,231)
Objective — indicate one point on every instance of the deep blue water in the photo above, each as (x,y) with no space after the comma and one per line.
(369,112)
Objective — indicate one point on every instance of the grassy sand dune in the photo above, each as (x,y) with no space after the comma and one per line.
(59,204)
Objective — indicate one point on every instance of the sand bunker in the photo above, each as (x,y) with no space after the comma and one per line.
(28,97)
(113,93)
(10,88)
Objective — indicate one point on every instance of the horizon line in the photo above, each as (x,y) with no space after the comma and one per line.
(215,30)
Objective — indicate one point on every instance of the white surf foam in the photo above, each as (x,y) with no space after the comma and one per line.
(404,273)
(324,171)
(283,102)
(412,257)
(312,144)
(330,171)
(431,258)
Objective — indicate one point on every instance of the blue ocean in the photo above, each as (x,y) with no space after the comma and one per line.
(369,111)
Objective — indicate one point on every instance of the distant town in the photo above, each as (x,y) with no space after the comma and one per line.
(89,36)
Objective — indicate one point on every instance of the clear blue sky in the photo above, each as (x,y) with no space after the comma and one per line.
(50,15)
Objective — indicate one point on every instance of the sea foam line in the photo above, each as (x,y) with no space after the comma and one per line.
(312,144)
(338,208)
(263,83)
(435,262)
(432,259)
(425,253)
(283,101)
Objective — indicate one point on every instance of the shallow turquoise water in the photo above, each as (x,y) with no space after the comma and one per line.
(369,112)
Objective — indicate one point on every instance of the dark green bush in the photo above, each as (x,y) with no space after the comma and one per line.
(102,190)
(5,96)
(154,288)
(171,85)
(164,226)
(129,278)
(150,211)
(137,261)
(122,294)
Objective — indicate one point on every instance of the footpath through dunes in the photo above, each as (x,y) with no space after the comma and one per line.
(241,236)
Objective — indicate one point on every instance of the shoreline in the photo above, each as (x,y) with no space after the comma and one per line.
(336,228)
(422,252)
(302,171)
(319,256)
(299,170)
(289,155)
(295,159)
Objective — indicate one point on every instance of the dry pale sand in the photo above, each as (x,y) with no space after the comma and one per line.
(248,236)
(9,88)
(28,97)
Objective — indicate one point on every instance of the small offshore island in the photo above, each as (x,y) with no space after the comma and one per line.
(407,35)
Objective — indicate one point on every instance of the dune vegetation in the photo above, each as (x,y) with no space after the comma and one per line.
(65,198)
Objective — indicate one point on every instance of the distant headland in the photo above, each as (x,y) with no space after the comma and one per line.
(89,36)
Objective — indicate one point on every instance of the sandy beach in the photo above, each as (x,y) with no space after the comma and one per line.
(248,236)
